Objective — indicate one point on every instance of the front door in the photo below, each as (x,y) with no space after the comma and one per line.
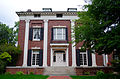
(59,58)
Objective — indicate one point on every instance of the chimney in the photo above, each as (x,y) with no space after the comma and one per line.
(72,9)
(47,9)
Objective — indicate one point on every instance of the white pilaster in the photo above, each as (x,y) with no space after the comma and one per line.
(67,57)
(73,45)
(26,43)
(51,57)
(45,43)
(105,59)
(93,59)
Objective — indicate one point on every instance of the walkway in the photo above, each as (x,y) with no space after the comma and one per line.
(59,77)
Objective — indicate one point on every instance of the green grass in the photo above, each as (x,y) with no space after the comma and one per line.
(83,77)
(23,77)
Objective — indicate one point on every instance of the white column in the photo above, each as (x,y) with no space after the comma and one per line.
(67,57)
(45,43)
(105,59)
(51,57)
(93,59)
(73,46)
(26,43)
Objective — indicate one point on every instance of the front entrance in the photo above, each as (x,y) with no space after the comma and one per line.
(59,58)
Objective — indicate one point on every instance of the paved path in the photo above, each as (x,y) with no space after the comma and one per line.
(59,77)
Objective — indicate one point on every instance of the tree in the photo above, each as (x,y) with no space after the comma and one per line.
(99,26)
(8,50)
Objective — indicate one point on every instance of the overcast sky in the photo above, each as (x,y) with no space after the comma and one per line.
(9,7)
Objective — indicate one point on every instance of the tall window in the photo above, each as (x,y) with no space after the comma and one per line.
(83,58)
(35,58)
(59,34)
(36,33)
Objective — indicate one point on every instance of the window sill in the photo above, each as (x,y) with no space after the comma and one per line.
(36,40)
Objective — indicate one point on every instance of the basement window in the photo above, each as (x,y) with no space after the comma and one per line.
(36,15)
(59,15)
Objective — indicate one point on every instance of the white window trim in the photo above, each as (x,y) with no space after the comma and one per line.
(33,34)
(35,59)
(83,59)
(55,37)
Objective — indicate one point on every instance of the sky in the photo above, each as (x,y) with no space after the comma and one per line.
(9,7)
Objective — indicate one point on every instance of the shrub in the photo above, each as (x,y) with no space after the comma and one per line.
(100,74)
(2,66)
(19,73)
(86,73)
(31,73)
(7,73)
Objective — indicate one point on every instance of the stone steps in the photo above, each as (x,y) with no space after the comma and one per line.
(59,71)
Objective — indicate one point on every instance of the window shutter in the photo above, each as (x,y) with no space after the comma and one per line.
(51,33)
(66,34)
(29,57)
(30,34)
(41,57)
(89,58)
(78,57)
(42,33)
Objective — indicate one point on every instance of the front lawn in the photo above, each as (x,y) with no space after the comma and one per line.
(83,77)
(23,77)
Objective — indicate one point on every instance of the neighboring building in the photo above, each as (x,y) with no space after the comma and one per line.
(44,37)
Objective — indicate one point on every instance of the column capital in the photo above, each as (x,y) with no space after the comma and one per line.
(46,20)
(27,20)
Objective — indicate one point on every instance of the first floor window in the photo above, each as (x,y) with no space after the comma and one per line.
(83,58)
(36,34)
(59,34)
(35,57)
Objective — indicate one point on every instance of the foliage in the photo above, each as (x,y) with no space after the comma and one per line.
(99,26)
(23,77)
(2,66)
(99,74)
(31,73)
(5,56)
(83,77)
(116,65)
(7,73)
(8,50)
(19,73)
(16,27)
(86,73)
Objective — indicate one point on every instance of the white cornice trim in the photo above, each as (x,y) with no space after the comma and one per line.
(35,48)
(36,26)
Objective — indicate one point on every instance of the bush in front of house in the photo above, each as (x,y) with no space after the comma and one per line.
(19,73)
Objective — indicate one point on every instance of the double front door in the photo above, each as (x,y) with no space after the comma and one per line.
(59,58)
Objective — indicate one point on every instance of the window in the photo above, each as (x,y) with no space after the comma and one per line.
(64,57)
(59,34)
(83,58)
(36,34)
(35,58)
(54,57)
(59,15)
(36,15)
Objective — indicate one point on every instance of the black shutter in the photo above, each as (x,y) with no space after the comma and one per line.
(52,34)
(89,58)
(41,33)
(78,57)
(66,34)
(30,34)
(29,57)
(41,57)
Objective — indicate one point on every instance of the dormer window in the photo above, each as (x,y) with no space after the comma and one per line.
(47,9)
(59,15)
(36,15)
(72,9)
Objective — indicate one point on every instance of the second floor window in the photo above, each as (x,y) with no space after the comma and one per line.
(59,34)
(36,34)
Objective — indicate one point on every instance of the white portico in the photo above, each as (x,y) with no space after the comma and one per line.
(59,54)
